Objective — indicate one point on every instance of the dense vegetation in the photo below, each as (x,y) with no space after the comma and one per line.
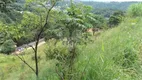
(103,8)
(79,44)
(135,10)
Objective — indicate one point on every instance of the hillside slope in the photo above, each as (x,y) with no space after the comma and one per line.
(114,55)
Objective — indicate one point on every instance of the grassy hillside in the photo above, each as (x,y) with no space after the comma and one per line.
(114,55)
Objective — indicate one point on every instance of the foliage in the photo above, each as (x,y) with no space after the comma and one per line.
(9,12)
(4,5)
(7,47)
(116,18)
(70,22)
(71,27)
(62,54)
(97,61)
(112,5)
(135,10)
(102,8)
(104,12)
(100,22)
(29,25)
(40,14)
(112,56)
(58,51)
(103,5)
(2,33)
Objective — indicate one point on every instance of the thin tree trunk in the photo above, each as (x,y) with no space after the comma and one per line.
(36,60)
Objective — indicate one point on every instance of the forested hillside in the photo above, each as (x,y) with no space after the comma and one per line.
(110,5)
(49,40)
(104,8)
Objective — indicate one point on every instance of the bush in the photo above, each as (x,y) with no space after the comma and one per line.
(135,10)
(7,47)
(56,52)
(116,18)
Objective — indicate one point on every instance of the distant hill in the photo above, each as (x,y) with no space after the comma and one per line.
(103,5)
(106,9)
(103,8)
(109,5)
(97,5)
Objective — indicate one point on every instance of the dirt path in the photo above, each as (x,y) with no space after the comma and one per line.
(27,46)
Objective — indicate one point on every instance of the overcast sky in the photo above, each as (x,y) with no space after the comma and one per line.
(111,0)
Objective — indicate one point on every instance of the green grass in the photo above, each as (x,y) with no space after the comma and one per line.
(12,68)
(108,55)
(114,55)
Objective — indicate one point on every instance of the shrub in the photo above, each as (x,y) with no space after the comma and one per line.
(135,10)
(65,59)
(116,18)
(7,47)
(56,52)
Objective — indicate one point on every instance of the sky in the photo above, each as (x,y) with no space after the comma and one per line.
(111,0)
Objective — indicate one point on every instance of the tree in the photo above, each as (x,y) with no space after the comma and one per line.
(42,12)
(7,47)
(135,10)
(5,5)
(71,27)
(2,33)
(98,22)
(116,18)
(10,11)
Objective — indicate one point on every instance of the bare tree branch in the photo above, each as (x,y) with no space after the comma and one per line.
(38,38)
(32,47)
(26,63)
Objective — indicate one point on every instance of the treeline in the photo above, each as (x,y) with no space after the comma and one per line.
(10,10)
(103,5)
(105,9)
(110,5)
